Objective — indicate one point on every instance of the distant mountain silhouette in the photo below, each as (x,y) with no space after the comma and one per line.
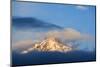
(32,23)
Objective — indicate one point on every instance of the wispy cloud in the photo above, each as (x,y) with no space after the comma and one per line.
(81,7)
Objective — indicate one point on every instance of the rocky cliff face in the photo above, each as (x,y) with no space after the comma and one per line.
(49,44)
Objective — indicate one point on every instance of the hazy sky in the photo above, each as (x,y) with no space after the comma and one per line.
(78,17)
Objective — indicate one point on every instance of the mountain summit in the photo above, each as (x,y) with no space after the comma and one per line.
(49,44)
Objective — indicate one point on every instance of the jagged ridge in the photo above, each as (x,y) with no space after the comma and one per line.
(49,44)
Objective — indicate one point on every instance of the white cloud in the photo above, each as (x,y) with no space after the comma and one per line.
(68,34)
(81,7)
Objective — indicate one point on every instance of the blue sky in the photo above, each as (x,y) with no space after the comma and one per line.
(81,18)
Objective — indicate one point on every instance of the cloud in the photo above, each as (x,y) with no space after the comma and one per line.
(66,34)
(81,7)
(69,34)
(22,45)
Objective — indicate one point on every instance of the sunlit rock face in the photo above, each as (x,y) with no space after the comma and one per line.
(49,44)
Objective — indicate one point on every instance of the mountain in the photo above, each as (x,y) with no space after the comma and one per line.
(27,22)
(49,44)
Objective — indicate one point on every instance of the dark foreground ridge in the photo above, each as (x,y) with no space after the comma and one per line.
(40,58)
